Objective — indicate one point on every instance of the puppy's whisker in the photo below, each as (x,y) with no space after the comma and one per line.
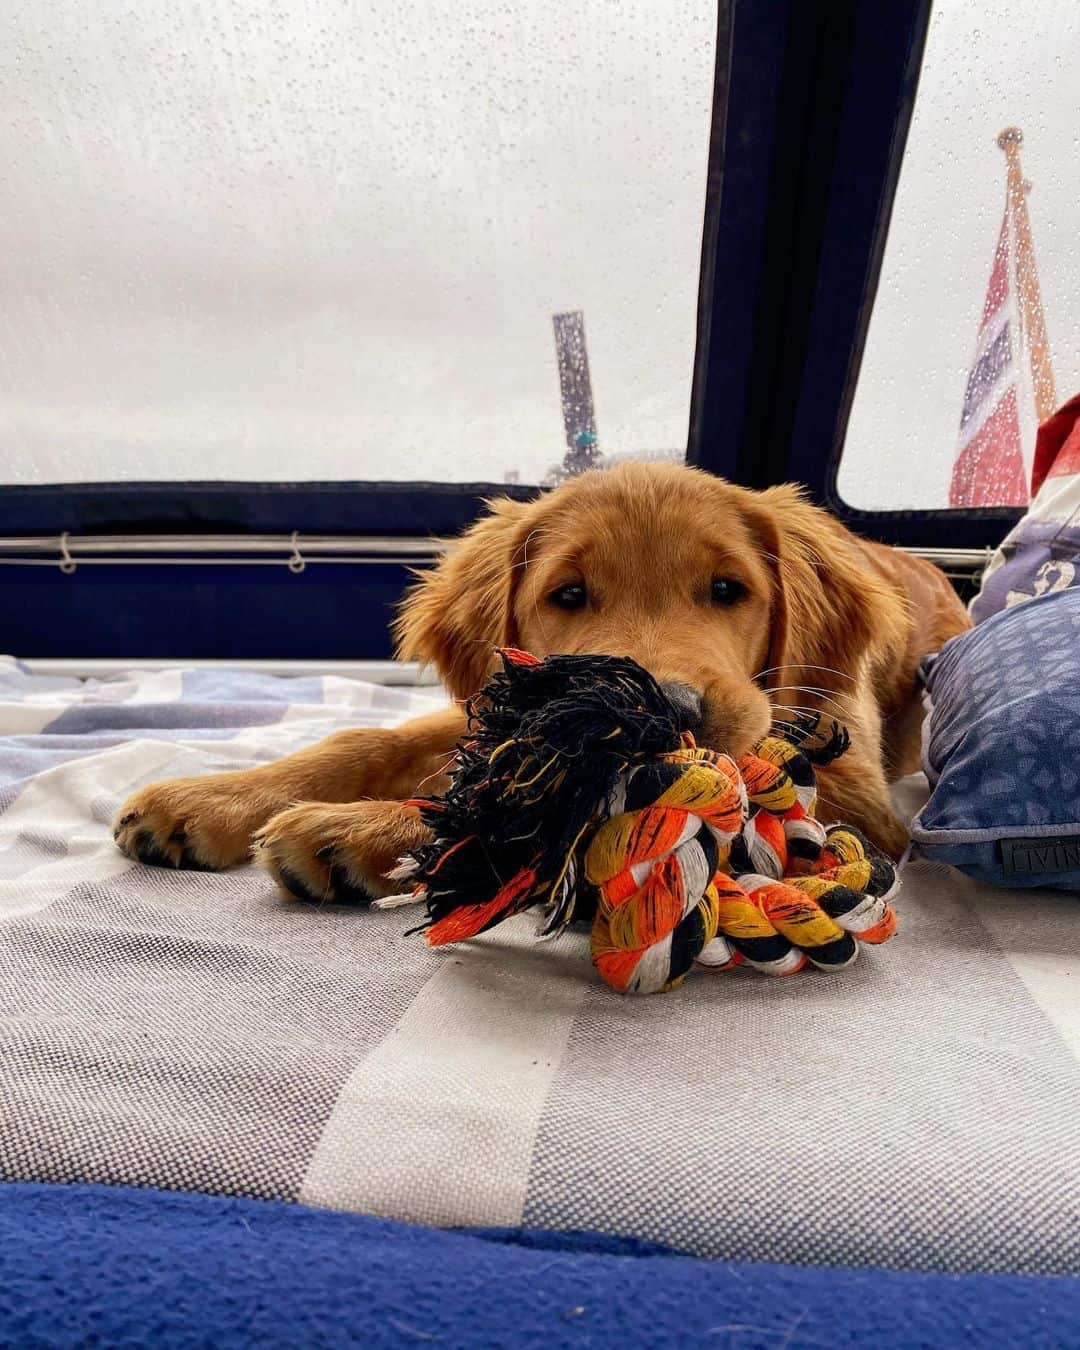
(803,665)
(795,708)
(540,533)
(828,801)
(815,693)
(791,731)
(525,547)
(798,712)
(808,710)
(811,689)
(783,565)
(553,557)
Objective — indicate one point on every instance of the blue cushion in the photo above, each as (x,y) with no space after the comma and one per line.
(1002,748)
(95,1266)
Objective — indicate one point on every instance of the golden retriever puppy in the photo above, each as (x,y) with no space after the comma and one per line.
(747,605)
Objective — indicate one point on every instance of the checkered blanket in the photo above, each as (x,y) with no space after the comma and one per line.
(192,1031)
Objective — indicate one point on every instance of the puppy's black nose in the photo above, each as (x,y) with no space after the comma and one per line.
(687,703)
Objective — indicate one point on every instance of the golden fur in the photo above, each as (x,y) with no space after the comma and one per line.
(822,620)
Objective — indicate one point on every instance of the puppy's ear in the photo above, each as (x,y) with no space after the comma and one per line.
(829,609)
(462,609)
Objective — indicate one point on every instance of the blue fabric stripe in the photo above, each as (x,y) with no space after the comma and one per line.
(224,686)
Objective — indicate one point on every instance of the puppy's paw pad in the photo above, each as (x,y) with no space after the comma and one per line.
(183,824)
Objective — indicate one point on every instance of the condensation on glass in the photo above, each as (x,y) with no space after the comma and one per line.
(325,240)
(956,373)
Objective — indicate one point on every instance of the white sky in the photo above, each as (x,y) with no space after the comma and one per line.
(302,239)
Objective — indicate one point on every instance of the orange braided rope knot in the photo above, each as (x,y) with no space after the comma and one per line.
(803,895)
(691,859)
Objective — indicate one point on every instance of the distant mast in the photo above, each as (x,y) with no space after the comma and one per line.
(575,387)
(1027,277)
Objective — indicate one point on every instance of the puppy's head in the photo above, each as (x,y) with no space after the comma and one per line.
(721,593)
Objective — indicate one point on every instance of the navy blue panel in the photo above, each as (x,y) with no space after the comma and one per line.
(267,508)
(330,611)
(86,1265)
(872,92)
(787,67)
(746,94)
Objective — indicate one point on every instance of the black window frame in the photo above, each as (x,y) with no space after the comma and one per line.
(822,94)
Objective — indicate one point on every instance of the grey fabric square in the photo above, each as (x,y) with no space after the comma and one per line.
(192,1033)
(917,1111)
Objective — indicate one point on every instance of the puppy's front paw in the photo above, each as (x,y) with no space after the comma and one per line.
(338,855)
(199,824)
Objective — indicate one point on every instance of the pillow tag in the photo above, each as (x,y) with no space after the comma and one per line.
(1053,853)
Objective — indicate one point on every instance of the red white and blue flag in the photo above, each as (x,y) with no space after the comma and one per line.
(989,468)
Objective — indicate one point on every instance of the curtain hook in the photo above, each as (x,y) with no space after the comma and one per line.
(67,562)
(296,562)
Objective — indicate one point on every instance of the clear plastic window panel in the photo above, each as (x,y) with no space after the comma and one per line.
(317,239)
(975,332)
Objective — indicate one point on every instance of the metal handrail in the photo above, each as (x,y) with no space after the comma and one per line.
(70,551)
(209,543)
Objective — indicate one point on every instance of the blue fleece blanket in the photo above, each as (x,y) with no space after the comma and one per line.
(85,1265)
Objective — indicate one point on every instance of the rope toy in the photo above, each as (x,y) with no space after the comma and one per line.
(575,790)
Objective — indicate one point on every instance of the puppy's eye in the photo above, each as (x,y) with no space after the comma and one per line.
(569,597)
(726,591)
